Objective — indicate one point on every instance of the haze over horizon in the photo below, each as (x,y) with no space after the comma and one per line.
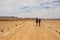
(47,9)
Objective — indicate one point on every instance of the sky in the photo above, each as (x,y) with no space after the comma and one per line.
(46,9)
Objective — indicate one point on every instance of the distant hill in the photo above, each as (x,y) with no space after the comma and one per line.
(8,17)
(12,18)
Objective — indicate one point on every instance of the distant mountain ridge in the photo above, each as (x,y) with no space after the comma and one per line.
(8,17)
(12,18)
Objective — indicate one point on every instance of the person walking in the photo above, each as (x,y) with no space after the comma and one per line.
(39,22)
(36,21)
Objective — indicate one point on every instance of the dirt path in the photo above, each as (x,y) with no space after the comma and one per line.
(27,30)
(32,32)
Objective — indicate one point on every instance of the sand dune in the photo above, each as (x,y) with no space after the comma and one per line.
(27,30)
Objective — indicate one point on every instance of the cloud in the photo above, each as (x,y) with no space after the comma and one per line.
(56,1)
(30,8)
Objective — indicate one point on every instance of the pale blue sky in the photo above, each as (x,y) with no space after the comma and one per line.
(30,8)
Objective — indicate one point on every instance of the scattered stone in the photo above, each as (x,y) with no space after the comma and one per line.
(59,32)
(49,27)
(56,31)
(1,30)
(16,24)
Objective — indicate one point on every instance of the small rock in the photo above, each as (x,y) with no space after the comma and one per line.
(59,32)
(49,27)
(56,31)
(16,24)
(1,30)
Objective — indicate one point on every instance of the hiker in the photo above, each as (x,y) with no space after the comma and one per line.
(36,21)
(39,22)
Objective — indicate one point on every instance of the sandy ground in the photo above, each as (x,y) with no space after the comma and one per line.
(27,30)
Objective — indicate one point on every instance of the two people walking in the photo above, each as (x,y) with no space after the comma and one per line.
(38,21)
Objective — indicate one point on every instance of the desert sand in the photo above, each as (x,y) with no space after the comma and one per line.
(27,30)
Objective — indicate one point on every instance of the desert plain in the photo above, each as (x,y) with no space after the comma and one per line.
(27,30)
